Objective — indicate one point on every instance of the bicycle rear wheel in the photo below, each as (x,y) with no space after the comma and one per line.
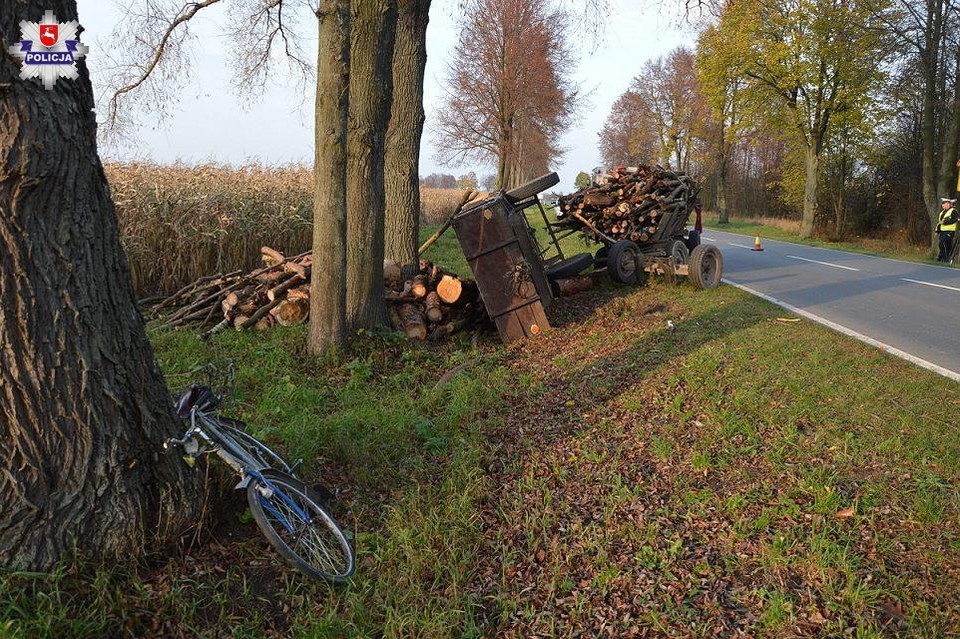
(299,528)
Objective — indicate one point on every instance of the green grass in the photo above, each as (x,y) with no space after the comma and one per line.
(899,249)
(683,482)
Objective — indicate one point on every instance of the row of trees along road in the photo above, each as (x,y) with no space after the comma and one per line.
(84,408)
(844,113)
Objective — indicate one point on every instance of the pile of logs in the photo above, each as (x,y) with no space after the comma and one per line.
(278,293)
(430,304)
(631,204)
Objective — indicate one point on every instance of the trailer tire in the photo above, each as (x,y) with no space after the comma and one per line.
(600,257)
(570,267)
(706,266)
(533,187)
(679,252)
(622,265)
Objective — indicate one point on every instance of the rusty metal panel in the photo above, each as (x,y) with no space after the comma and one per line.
(505,271)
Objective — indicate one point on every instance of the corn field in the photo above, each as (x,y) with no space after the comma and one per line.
(180,222)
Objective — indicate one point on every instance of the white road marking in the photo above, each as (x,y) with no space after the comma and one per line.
(930,366)
(847,268)
(709,239)
(950,288)
(749,248)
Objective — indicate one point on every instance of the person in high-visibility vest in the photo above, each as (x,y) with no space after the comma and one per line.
(946,228)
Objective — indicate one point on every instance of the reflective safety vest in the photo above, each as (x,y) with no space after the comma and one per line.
(949,213)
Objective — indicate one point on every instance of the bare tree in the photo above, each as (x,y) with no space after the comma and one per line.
(508,96)
(627,137)
(83,407)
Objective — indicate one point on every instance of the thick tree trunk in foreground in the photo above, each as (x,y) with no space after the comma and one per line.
(372,33)
(328,303)
(812,165)
(402,181)
(83,407)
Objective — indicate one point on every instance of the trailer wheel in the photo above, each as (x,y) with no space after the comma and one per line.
(622,263)
(532,187)
(570,266)
(600,257)
(706,266)
(679,252)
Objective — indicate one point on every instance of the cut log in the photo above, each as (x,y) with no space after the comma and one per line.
(294,267)
(264,323)
(301,292)
(432,305)
(411,318)
(419,287)
(449,289)
(392,275)
(291,312)
(280,290)
(271,257)
(573,285)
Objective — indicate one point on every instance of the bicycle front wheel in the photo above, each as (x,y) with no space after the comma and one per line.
(295,523)
(267,457)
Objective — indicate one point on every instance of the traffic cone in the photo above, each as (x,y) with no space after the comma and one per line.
(756,244)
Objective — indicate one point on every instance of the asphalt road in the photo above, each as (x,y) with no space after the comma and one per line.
(911,310)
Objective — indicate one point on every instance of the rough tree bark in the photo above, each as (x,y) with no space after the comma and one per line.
(812,167)
(402,183)
(328,301)
(372,33)
(929,64)
(948,154)
(83,407)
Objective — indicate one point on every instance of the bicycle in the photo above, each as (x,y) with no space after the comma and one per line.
(290,514)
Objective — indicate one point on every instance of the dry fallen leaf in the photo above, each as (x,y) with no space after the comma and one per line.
(846,513)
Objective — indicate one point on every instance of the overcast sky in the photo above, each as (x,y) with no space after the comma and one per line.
(209,121)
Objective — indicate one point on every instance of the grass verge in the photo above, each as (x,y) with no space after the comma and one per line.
(788,231)
(736,473)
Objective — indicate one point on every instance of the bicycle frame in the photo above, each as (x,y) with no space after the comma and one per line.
(240,460)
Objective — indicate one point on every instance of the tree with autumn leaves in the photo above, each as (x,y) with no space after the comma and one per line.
(509,99)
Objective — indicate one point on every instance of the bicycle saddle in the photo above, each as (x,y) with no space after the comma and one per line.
(201,397)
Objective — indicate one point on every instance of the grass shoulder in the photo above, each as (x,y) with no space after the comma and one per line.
(789,231)
(734,471)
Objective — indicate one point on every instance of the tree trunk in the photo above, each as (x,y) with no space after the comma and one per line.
(722,182)
(84,409)
(373,29)
(812,165)
(402,178)
(328,303)
(929,57)
(948,155)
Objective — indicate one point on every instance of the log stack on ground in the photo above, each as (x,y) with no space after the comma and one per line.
(432,304)
(631,204)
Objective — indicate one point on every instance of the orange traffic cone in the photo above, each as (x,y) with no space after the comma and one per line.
(756,244)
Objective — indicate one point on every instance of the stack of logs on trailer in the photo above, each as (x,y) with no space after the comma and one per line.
(432,303)
(631,204)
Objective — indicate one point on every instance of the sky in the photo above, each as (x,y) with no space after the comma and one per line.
(208,120)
